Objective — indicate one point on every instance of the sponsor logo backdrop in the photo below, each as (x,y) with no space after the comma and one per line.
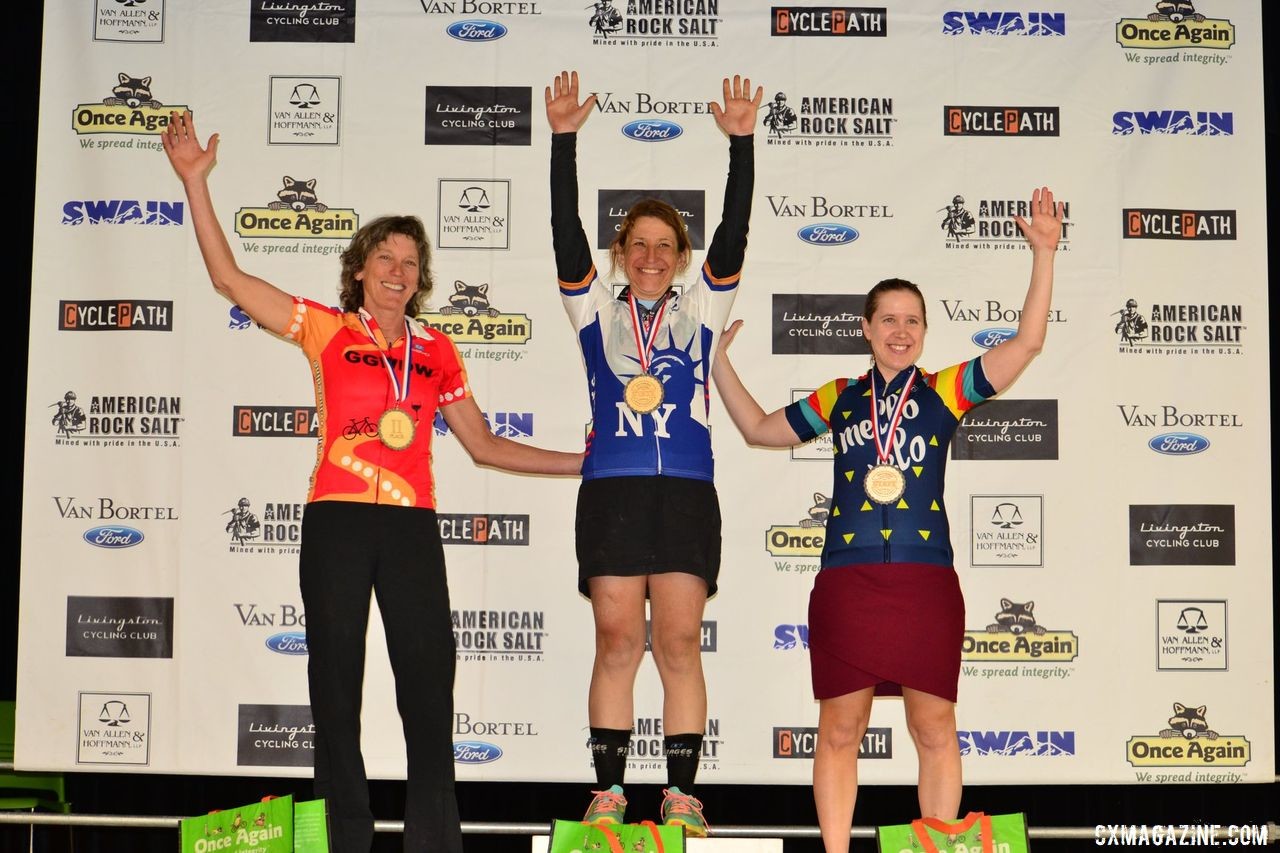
(1108,514)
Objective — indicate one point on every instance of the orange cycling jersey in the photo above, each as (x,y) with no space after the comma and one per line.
(353,389)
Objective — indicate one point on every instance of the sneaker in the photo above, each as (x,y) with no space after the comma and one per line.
(607,807)
(683,810)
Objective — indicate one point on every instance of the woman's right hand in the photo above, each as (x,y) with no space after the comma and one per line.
(564,113)
(726,338)
(188,158)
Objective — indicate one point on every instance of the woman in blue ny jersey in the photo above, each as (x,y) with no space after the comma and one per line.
(648,519)
(886,614)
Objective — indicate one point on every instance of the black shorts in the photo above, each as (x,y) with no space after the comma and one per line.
(629,526)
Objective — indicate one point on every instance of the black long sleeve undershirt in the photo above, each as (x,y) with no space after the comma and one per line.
(573,252)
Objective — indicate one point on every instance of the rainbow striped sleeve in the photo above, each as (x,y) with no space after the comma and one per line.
(811,417)
(962,386)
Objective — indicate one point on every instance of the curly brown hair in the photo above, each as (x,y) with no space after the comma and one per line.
(661,211)
(364,241)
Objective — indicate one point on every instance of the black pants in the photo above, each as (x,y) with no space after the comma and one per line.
(347,550)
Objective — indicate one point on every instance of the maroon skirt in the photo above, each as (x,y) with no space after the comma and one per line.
(888,626)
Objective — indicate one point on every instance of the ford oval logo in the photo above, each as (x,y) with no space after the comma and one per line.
(652,130)
(476,30)
(113,536)
(1179,443)
(828,234)
(989,338)
(475,752)
(289,643)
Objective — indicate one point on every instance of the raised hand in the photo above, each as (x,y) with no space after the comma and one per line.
(564,113)
(188,158)
(1045,228)
(738,115)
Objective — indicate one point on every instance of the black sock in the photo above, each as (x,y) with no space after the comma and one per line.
(683,752)
(609,748)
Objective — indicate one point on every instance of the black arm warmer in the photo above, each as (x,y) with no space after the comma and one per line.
(573,252)
(729,245)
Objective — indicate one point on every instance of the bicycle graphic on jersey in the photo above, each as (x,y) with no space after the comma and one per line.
(357,428)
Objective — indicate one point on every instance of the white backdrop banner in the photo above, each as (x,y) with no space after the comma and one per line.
(1115,503)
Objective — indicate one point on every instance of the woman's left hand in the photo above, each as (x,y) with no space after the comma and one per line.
(1045,228)
(738,116)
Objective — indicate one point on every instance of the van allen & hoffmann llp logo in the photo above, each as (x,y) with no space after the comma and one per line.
(117,421)
(130,109)
(653,23)
(1188,741)
(991,224)
(1180,329)
(297,213)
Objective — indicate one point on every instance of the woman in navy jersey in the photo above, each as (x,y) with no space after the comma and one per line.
(886,615)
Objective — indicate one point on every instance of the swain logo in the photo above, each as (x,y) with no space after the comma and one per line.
(1017,743)
(1188,741)
(121,212)
(786,637)
(129,109)
(955,23)
(296,213)
(1016,636)
(1176,25)
(1169,122)
(504,424)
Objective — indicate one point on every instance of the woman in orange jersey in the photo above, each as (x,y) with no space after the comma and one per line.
(370,522)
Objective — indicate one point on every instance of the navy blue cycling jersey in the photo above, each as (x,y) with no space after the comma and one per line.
(673,439)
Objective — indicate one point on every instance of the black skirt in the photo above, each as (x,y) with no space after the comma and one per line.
(629,526)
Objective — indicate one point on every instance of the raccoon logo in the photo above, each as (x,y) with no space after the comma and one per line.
(469,300)
(132,92)
(1188,722)
(298,196)
(1175,11)
(818,512)
(1015,618)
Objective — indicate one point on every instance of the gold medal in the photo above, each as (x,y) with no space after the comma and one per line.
(884,484)
(396,428)
(643,393)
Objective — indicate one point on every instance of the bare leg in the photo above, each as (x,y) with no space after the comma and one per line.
(676,604)
(932,723)
(842,722)
(618,606)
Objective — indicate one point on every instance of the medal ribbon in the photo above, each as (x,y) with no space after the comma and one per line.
(399,388)
(885,447)
(645,346)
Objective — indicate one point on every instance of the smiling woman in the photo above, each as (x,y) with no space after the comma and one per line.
(370,525)
(648,518)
